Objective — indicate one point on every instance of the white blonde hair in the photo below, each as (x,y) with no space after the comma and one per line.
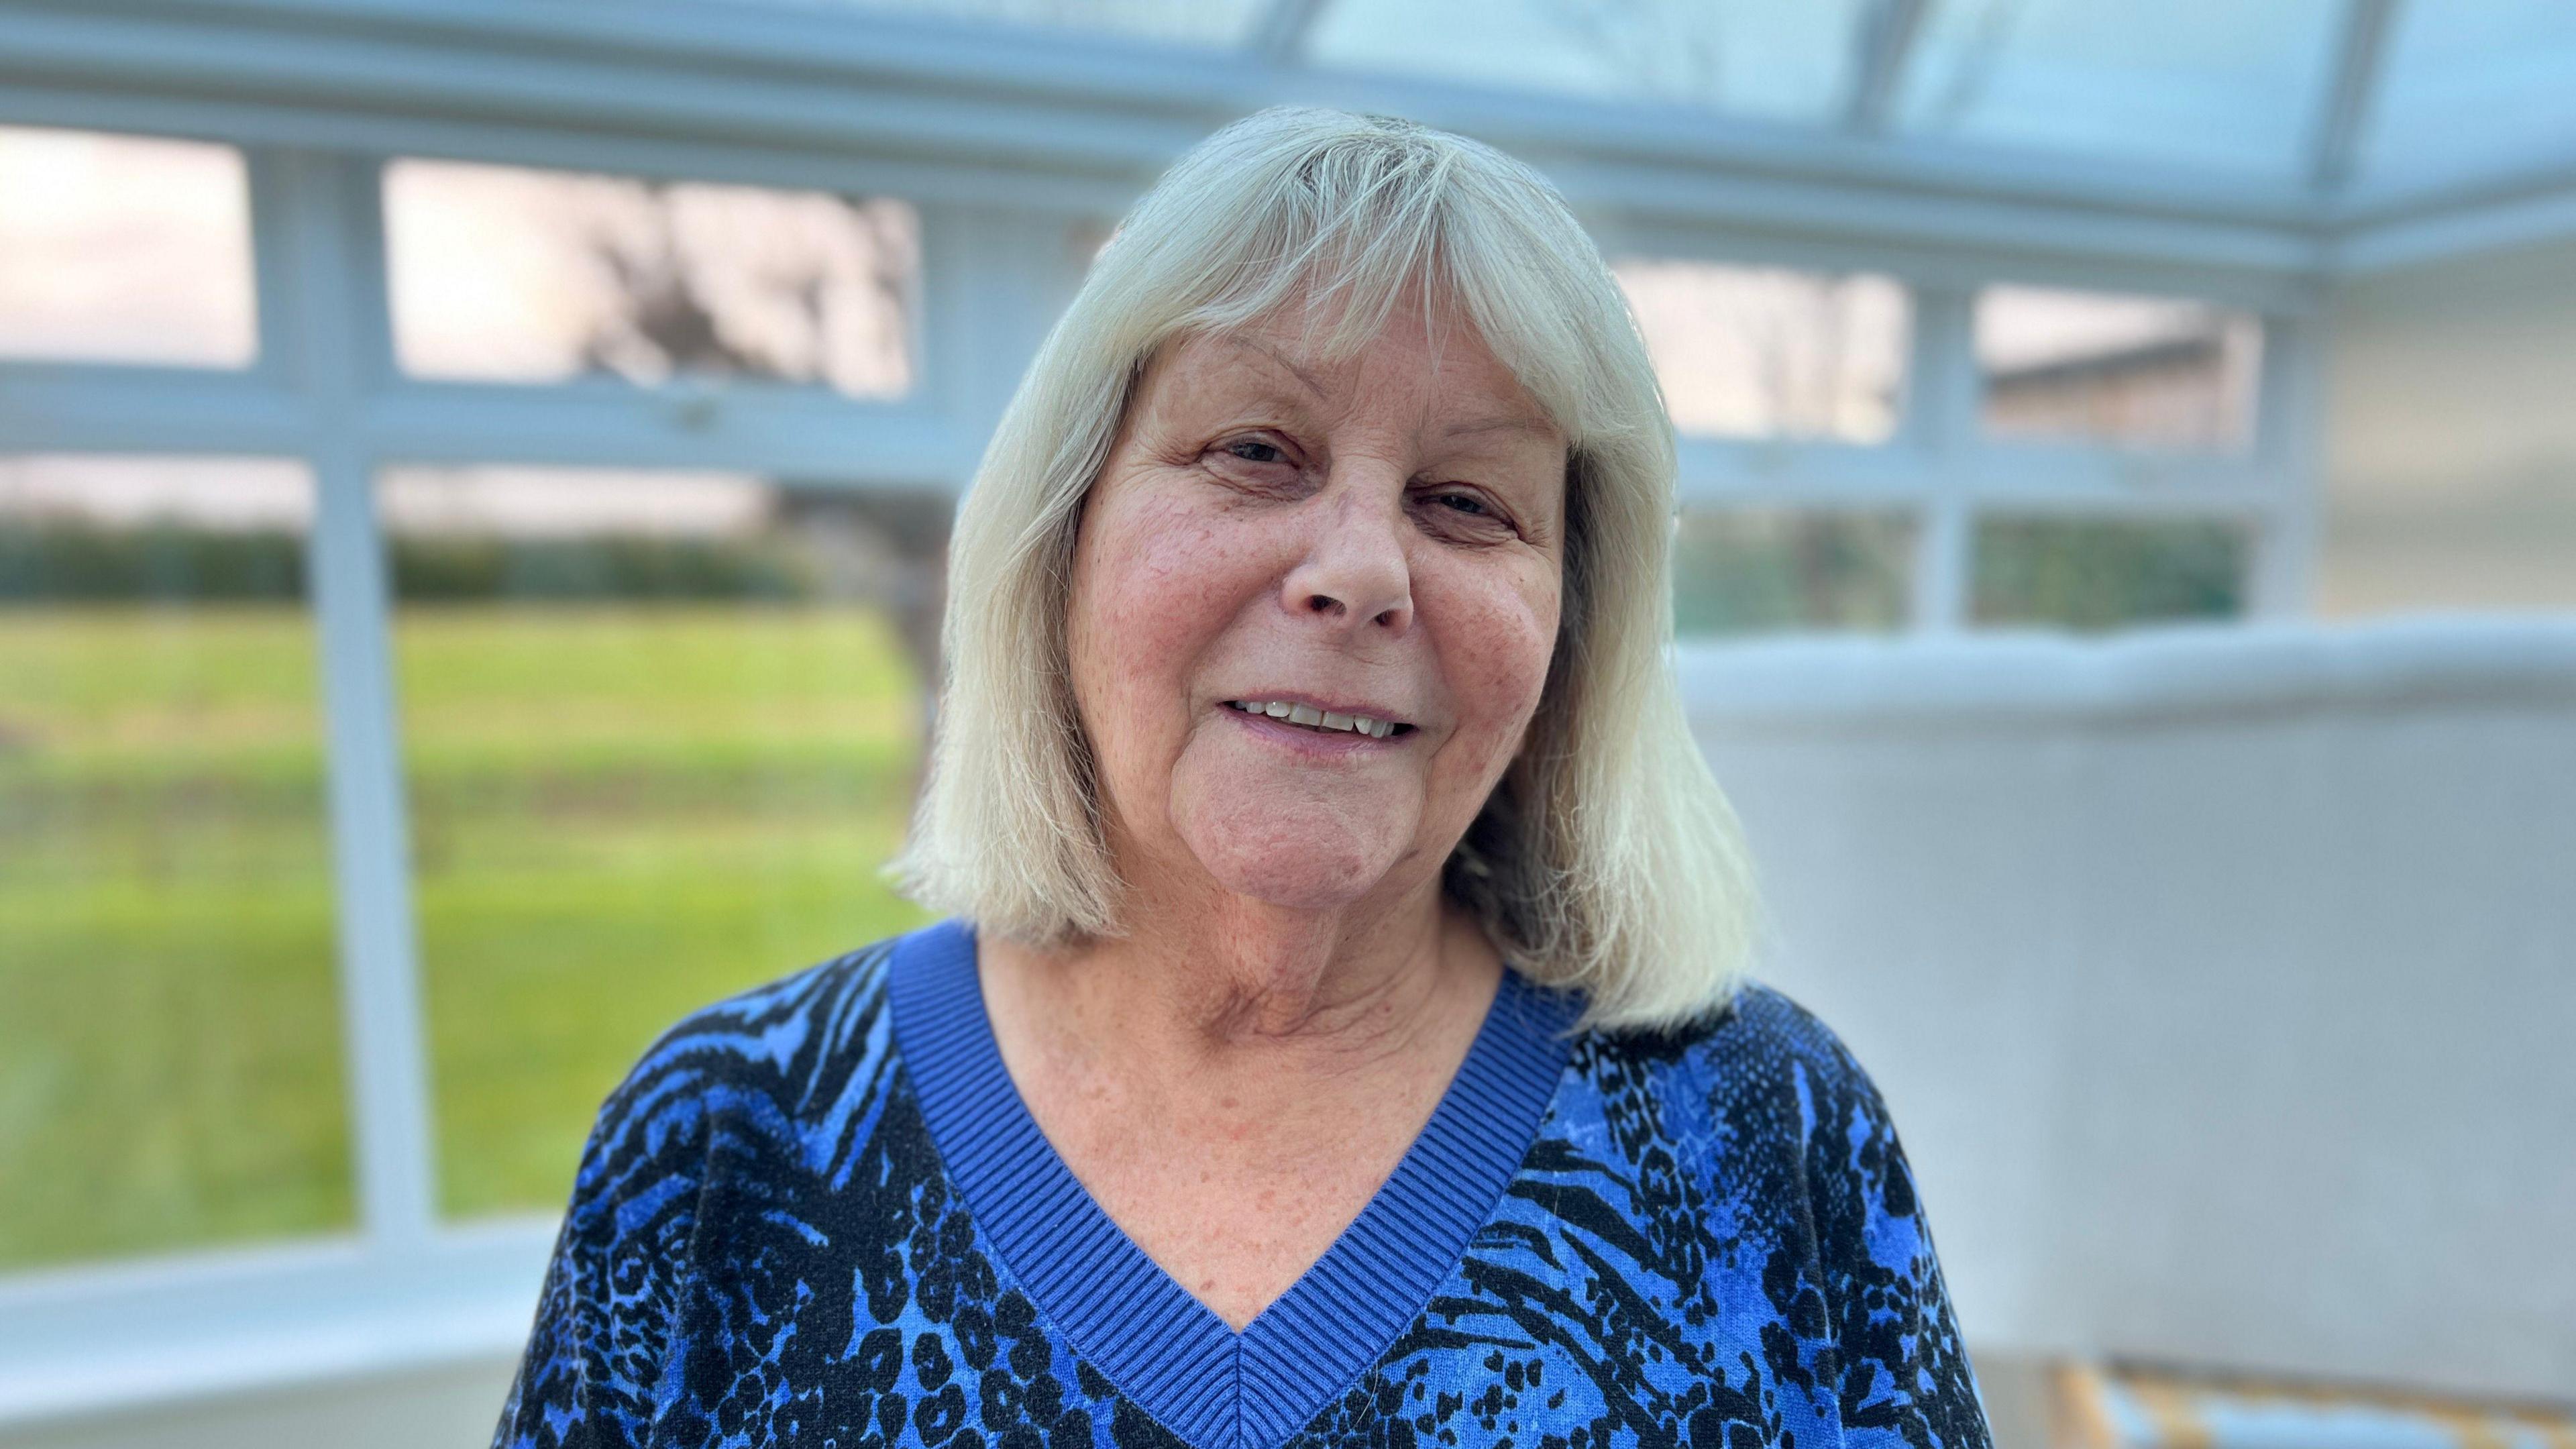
(1606,857)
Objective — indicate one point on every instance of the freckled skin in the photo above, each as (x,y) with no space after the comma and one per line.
(1235,1076)
(1247,531)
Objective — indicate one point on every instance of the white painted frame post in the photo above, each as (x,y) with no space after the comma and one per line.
(1943,397)
(323,319)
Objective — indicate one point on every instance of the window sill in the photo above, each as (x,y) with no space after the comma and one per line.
(82,1341)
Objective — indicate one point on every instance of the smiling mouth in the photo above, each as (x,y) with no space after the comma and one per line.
(1322,722)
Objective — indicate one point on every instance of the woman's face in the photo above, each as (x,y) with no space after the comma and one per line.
(1381,538)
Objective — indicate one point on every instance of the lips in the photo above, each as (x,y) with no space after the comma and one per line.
(1371,721)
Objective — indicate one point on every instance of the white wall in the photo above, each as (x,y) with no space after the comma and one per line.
(2450,442)
(2221,981)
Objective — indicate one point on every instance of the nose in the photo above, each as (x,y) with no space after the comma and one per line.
(1354,574)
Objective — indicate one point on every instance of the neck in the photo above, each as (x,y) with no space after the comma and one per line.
(1235,981)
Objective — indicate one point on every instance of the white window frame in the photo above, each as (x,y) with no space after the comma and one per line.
(1009,145)
(1944,470)
(406,1288)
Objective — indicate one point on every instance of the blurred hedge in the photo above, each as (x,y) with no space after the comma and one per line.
(2095,574)
(1734,575)
(63,561)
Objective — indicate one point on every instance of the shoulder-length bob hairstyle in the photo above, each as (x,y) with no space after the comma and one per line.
(1606,857)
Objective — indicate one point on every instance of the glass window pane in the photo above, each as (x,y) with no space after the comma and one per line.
(1188,22)
(1766,352)
(2088,574)
(2218,85)
(2472,86)
(2139,372)
(124,249)
(1747,570)
(1744,57)
(510,275)
(660,730)
(170,1044)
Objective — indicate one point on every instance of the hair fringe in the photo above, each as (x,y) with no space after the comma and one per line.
(1607,857)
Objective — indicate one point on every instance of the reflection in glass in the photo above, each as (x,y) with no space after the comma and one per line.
(170,1045)
(660,730)
(1748,570)
(2140,372)
(2092,574)
(2213,85)
(1189,22)
(1740,57)
(2469,87)
(510,275)
(1766,352)
(124,249)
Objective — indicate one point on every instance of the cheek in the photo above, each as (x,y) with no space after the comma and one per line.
(1501,636)
(1153,584)
(1155,575)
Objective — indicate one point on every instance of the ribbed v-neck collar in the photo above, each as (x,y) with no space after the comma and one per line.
(1159,1345)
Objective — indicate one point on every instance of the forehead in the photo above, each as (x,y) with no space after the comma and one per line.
(1441,359)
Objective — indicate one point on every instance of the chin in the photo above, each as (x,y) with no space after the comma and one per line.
(1303,879)
(1290,849)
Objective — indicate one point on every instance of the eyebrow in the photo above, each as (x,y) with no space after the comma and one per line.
(1509,422)
(1512,423)
(1266,350)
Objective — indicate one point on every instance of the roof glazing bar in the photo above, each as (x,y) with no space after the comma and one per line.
(1883,39)
(1278,34)
(2360,61)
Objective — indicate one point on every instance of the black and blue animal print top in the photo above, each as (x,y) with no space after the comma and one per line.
(818,1215)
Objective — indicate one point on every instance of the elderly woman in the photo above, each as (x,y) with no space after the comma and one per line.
(1335,1033)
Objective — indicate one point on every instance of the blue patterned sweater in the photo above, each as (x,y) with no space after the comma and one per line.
(818,1215)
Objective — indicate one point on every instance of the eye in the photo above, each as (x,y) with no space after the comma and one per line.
(1468,516)
(1254,450)
(1468,509)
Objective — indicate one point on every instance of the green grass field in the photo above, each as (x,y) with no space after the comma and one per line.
(618,813)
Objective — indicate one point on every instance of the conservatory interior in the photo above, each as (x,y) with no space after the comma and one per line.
(474,476)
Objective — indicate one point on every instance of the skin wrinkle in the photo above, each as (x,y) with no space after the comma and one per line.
(1235,1078)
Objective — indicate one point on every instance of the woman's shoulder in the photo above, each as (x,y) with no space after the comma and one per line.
(789,1024)
(787,1050)
(1760,1038)
(1762,1088)
(1759,1116)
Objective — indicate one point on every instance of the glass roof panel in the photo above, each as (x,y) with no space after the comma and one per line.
(2228,89)
(2213,85)
(2473,86)
(1187,22)
(1757,58)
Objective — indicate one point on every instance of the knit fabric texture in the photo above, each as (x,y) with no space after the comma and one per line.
(818,1214)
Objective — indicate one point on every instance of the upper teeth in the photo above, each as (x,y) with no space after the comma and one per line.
(1307,714)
